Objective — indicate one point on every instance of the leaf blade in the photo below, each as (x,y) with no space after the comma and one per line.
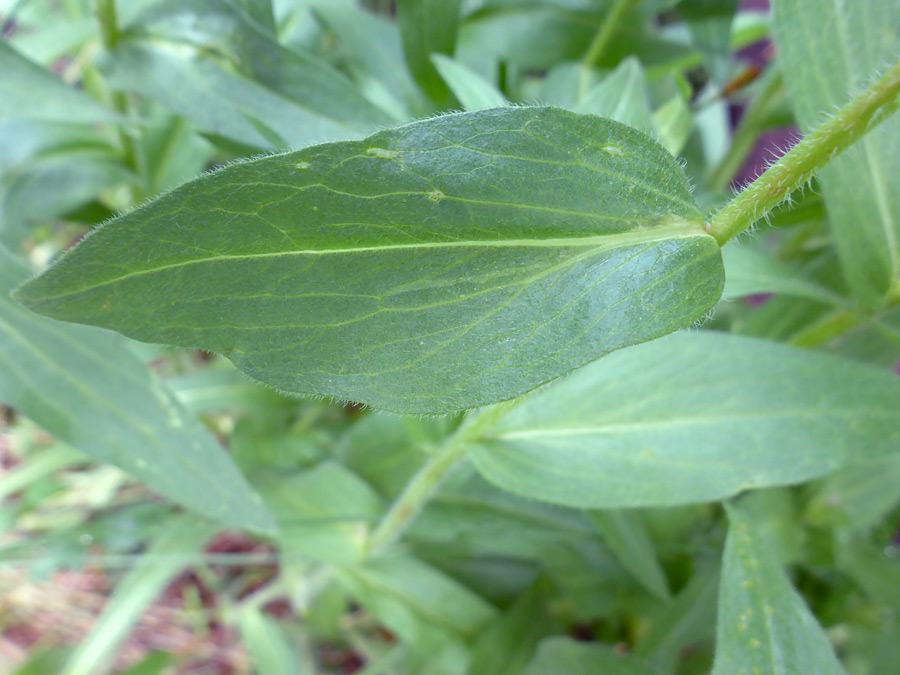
(622,96)
(471,89)
(487,240)
(750,271)
(763,622)
(374,50)
(625,533)
(690,418)
(220,65)
(27,90)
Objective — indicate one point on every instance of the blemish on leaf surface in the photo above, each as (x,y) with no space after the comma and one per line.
(381,152)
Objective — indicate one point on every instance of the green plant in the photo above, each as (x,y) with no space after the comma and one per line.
(465,272)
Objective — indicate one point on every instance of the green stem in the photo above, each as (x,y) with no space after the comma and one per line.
(604,34)
(798,165)
(129,147)
(110,36)
(425,483)
(827,328)
(106,17)
(415,496)
(893,293)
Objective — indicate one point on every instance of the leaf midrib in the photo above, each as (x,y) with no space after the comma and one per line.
(678,229)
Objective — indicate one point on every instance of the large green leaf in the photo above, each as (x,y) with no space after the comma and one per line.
(763,625)
(690,418)
(447,264)
(85,387)
(828,51)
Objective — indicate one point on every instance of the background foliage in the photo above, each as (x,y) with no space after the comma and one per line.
(723,499)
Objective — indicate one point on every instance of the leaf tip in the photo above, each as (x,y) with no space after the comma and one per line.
(20,294)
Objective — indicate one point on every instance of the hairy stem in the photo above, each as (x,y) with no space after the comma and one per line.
(798,165)
(425,483)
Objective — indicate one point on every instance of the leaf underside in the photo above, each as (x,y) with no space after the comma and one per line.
(450,263)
